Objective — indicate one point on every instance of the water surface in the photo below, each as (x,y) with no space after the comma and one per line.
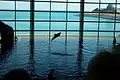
(68,60)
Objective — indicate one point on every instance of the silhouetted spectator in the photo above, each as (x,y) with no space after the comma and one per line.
(7,36)
(104,66)
(17,74)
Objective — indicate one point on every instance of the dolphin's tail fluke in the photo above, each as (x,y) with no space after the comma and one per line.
(53,38)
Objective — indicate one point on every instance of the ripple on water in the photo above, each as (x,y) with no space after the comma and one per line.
(66,59)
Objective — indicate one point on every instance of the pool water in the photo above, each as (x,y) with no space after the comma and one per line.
(67,58)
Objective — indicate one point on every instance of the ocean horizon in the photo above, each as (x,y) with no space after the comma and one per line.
(58,23)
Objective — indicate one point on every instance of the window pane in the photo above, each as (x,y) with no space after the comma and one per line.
(117,36)
(91,7)
(118,13)
(23,25)
(41,15)
(117,26)
(90,18)
(73,16)
(90,26)
(118,8)
(58,6)
(73,7)
(108,1)
(42,6)
(58,16)
(49,0)
(73,25)
(23,15)
(41,25)
(7,15)
(118,1)
(58,25)
(7,5)
(107,26)
(105,18)
(91,0)
(74,0)
(22,5)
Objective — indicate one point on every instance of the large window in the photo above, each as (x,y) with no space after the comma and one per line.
(94,19)
(102,16)
(63,15)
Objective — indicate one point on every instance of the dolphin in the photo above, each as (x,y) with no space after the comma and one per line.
(55,36)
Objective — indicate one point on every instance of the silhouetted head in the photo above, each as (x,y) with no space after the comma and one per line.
(1,22)
(7,36)
(17,74)
(104,66)
(1,26)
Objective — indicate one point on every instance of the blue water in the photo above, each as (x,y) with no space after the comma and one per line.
(58,16)
(42,59)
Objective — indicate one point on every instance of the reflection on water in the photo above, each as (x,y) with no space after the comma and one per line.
(31,61)
(62,54)
(69,63)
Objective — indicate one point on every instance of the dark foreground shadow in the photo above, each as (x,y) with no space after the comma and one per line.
(104,66)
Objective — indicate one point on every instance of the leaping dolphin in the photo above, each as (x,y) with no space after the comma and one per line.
(55,36)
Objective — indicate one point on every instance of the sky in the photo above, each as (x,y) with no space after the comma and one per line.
(21,5)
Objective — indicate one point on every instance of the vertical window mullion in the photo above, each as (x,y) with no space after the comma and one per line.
(15,17)
(50,25)
(115,19)
(81,28)
(98,35)
(32,21)
(66,26)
